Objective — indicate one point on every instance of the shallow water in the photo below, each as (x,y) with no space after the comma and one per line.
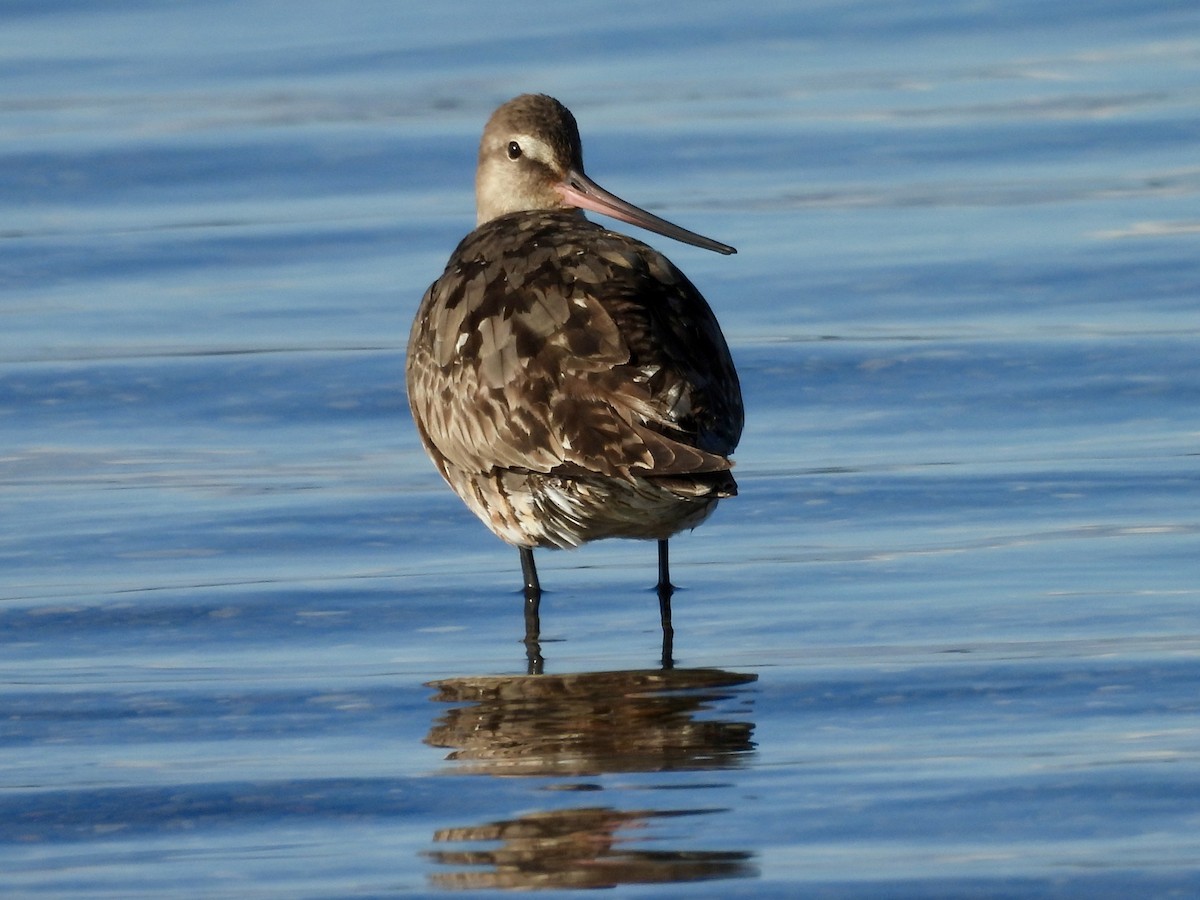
(945,641)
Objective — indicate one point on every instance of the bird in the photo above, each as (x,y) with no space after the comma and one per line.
(569,382)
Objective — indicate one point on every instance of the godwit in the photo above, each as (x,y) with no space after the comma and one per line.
(569,382)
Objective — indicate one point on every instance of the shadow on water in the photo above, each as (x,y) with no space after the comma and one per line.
(586,724)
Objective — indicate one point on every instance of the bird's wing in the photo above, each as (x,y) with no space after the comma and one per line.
(551,345)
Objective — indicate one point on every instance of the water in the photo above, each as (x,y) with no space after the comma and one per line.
(944,643)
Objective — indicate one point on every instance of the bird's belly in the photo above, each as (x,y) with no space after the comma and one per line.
(539,510)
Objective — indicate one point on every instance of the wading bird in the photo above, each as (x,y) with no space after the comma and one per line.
(569,382)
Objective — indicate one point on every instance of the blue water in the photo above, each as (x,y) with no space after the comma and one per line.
(945,643)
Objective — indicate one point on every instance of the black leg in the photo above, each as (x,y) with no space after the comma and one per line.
(664,569)
(665,590)
(533,599)
(529,572)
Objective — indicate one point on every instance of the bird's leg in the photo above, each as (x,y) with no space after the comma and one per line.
(665,590)
(533,598)
(533,588)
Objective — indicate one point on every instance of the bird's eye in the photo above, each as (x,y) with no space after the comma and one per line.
(514,150)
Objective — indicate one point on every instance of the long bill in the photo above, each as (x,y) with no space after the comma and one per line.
(579,190)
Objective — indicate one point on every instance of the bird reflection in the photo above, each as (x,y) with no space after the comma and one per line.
(575,848)
(590,723)
(587,724)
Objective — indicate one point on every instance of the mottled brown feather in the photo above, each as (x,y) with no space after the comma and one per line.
(613,342)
